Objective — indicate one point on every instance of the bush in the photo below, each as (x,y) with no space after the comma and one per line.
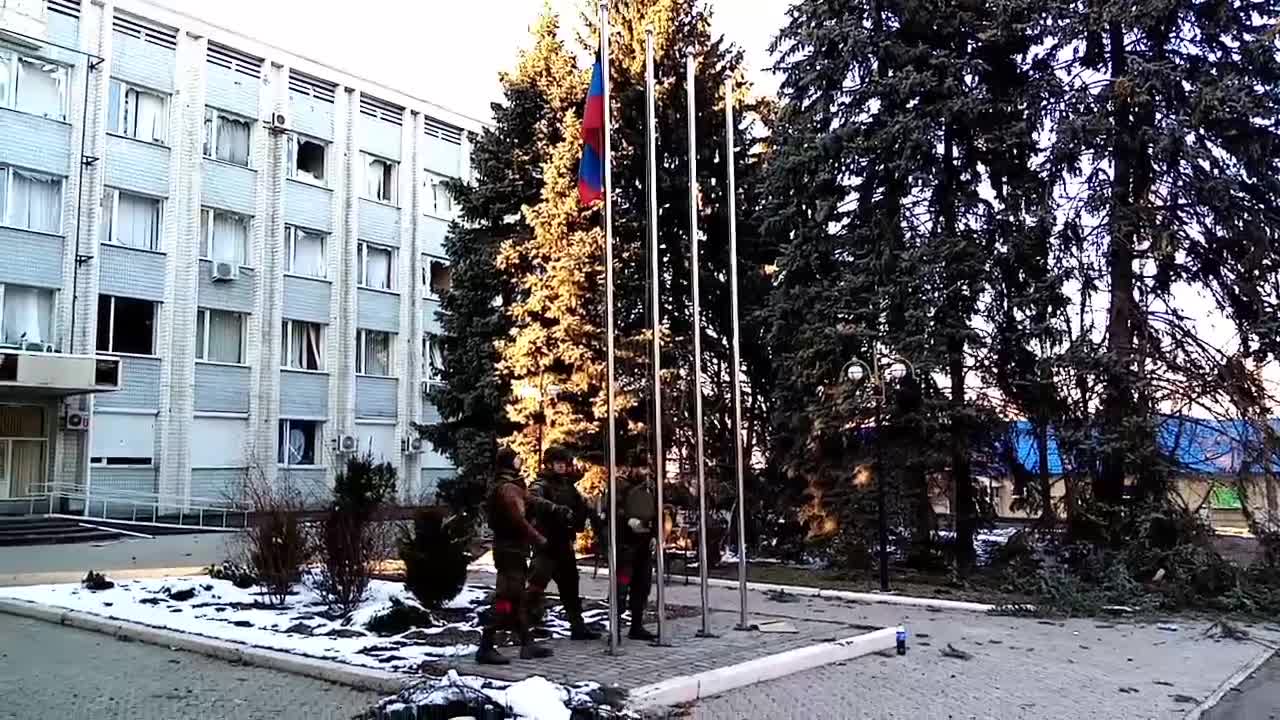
(348,542)
(275,546)
(435,557)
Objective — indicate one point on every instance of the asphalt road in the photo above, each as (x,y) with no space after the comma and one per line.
(1257,698)
(50,671)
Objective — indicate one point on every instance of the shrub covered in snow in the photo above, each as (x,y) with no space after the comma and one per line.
(435,557)
(534,698)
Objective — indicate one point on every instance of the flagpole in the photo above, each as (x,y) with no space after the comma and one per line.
(703,560)
(658,457)
(737,356)
(615,629)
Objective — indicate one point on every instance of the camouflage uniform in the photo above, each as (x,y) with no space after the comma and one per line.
(637,511)
(556,561)
(512,536)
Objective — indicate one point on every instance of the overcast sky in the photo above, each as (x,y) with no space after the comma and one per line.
(446,52)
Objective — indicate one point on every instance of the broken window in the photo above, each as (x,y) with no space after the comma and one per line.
(441,202)
(307,159)
(126,325)
(298,441)
(380,179)
(226,137)
(137,113)
(32,85)
(302,346)
(441,277)
(377,265)
(26,316)
(373,353)
(224,236)
(432,356)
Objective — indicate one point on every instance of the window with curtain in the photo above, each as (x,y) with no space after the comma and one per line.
(297,442)
(432,356)
(373,353)
(26,315)
(226,137)
(302,345)
(6,77)
(225,236)
(220,336)
(379,266)
(34,201)
(380,178)
(306,253)
(441,200)
(136,112)
(135,221)
(41,88)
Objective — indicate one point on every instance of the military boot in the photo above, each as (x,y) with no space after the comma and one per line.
(531,651)
(578,630)
(488,653)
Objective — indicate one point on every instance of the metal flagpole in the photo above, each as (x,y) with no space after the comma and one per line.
(615,629)
(737,357)
(703,560)
(659,463)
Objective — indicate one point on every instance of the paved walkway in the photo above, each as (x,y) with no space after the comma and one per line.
(49,671)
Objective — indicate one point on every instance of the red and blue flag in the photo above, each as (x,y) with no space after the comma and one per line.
(591,169)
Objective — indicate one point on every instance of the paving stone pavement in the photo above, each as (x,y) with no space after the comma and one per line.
(50,672)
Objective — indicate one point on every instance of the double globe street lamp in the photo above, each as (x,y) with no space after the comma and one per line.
(880,372)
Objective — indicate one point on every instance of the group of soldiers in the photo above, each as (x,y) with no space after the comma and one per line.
(546,519)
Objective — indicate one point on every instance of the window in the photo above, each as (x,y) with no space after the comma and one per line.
(380,179)
(373,353)
(439,278)
(32,85)
(226,137)
(298,442)
(224,236)
(441,202)
(377,266)
(137,113)
(301,345)
(123,439)
(305,252)
(131,220)
(307,159)
(30,201)
(26,316)
(220,336)
(432,356)
(126,325)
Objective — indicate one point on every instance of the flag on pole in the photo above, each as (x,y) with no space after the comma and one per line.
(591,169)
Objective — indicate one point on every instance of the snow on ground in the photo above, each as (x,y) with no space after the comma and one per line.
(534,698)
(220,610)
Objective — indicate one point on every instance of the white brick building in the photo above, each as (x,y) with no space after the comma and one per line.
(256,240)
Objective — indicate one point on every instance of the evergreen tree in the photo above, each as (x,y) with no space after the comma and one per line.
(506,164)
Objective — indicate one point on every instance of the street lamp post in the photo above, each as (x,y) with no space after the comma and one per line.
(857,371)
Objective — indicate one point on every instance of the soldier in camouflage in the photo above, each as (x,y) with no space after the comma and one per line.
(505,507)
(637,511)
(556,561)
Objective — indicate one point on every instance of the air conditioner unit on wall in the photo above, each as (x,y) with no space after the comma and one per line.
(75,420)
(278,123)
(223,271)
(348,444)
(411,445)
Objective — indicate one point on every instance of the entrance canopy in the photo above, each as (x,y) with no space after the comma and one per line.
(27,375)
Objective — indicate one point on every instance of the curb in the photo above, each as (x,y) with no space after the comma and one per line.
(360,678)
(809,591)
(690,688)
(1229,684)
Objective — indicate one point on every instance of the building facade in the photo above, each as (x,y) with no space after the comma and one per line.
(256,240)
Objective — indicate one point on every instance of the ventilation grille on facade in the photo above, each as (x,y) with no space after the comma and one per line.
(381,109)
(144,30)
(436,129)
(225,57)
(70,8)
(315,87)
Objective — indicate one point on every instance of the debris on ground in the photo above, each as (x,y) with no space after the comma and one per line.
(1225,630)
(952,651)
(777,626)
(1118,609)
(96,581)
(535,698)
(1184,699)
(1167,627)
(781,596)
